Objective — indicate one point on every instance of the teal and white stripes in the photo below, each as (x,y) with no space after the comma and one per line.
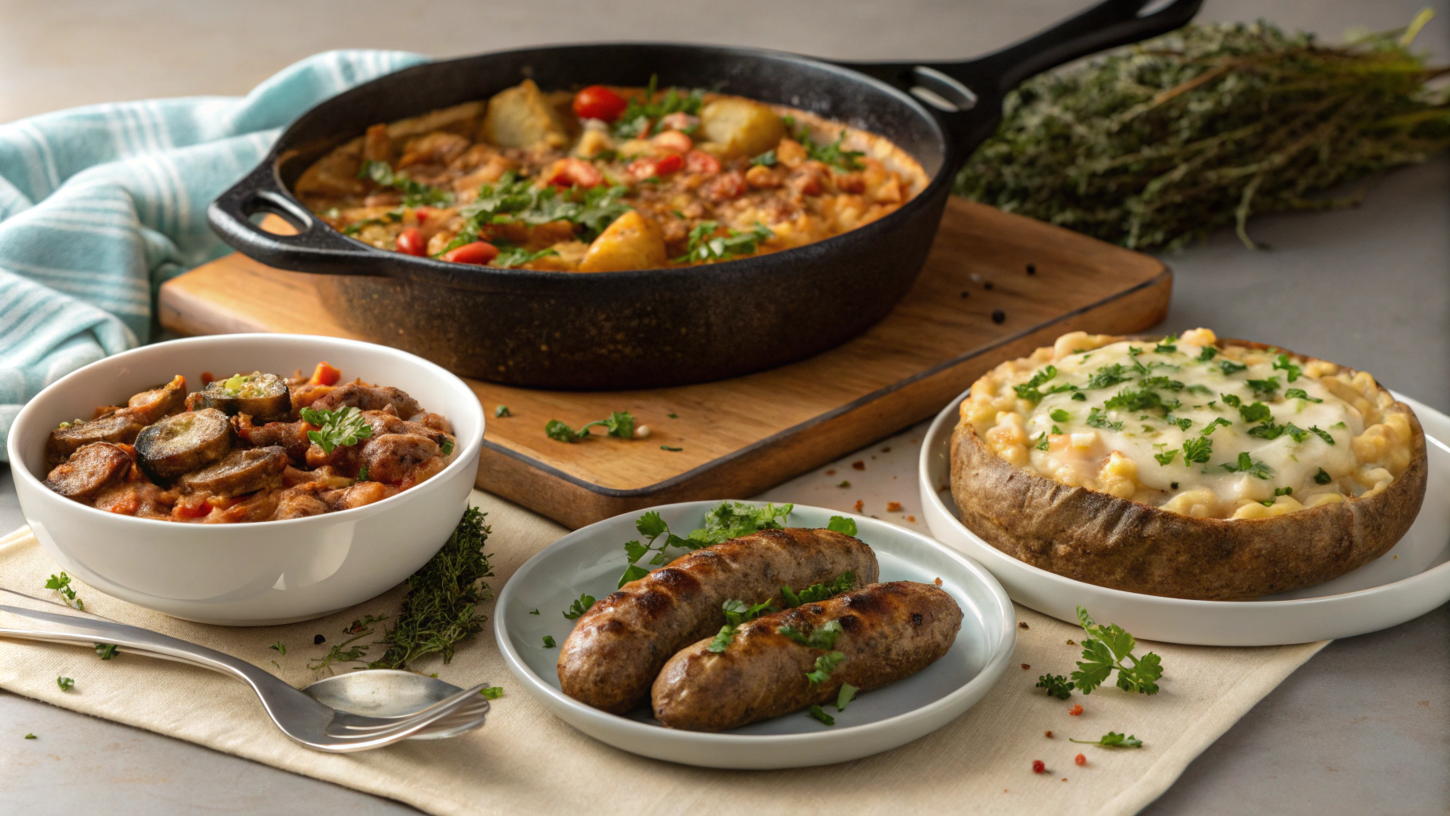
(101,205)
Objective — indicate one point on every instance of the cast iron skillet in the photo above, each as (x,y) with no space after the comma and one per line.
(659,326)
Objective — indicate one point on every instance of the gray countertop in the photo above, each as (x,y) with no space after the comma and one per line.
(1363,727)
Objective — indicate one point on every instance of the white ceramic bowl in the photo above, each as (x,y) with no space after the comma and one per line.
(258,573)
(1403,584)
(591,559)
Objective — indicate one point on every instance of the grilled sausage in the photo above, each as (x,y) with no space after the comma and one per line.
(150,406)
(241,471)
(183,443)
(89,471)
(264,397)
(888,632)
(117,427)
(369,398)
(619,645)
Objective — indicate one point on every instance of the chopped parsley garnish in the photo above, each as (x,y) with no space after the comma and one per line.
(579,607)
(502,411)
(1060,415)
(815,711)
(618,424)
(1056,430)
(1042,442)
(336,429)
(766,159)
(1265,388)
(1030,389)
(736,613)
(1165,459)
(1218,422)
(1246,464)
(1056,685)
(512,199)
(1207,353)
(1134,351)
(511,256)
(1199,388)
(492,692)
(671,448)
(1142,399)
(703,245)
(65,683)
(641,117)
(548,641)
(823,638)
(1167,345)
(1230,367)
(819,592)
(1107,649)
(32,736)
(1183,423)
(1112,739)
(846,695)
(414,194)
(107,650)
(831,154)
(446,446)
(1299,393)
(1108,376)
(729,520)
(1291,371)
(1322,434)
(61,584)
(1231,400)
(825,664)
(1197,450)
(1097,420)
(1258,412)
(279,647)
(1322,477)
(841,524)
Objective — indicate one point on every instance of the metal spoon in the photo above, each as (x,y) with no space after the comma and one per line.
(386,693)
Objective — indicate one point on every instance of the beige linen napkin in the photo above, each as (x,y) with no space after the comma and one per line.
(525,761)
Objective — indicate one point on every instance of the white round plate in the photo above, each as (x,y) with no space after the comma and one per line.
(1401,585)
(590,561)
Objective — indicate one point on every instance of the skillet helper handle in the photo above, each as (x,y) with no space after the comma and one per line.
(316,247)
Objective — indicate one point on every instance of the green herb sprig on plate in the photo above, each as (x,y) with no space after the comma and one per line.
(1108,649)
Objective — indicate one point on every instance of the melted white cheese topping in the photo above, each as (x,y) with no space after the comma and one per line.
(1195,393)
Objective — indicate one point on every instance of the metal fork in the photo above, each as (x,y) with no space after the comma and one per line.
(301,718)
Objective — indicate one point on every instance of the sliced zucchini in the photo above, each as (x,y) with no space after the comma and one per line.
(183,443)
(241,471)
(264,397)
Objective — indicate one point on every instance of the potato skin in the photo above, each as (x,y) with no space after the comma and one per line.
(619,645)
(1121,544)
(889,632)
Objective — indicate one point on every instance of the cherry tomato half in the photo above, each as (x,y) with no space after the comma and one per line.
(410,242)
(668,163)
(478,252)
(598,102)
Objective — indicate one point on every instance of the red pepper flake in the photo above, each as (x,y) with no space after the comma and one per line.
(1075,711)
(1022,625)
(886,449)
(1048,734)
(1080,759)
(893,507)
(858,505)
(858,465)
(1026,666)
(1064,779)
(911,519)
(1038,766)
(999,317)
(831,472)
(937,581)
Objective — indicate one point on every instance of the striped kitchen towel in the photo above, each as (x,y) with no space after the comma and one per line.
(101,205)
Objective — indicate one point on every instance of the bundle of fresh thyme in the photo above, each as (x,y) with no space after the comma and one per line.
(1157,145)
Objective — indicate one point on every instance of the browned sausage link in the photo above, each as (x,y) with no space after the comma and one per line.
(619,645)
(118,427)
(89,471)
(889,632)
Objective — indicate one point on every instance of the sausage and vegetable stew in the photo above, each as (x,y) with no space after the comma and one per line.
(607,179)
(251,447)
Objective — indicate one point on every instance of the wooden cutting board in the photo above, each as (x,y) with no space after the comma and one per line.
(995,287)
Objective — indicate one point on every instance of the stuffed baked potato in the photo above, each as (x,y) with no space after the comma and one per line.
(1187,467)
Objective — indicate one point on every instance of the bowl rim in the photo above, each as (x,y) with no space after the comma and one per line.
(469,451)
(555,698)
(946,419)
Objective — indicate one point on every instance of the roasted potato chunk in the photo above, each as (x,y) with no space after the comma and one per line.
(522,117)
(631,242)
(741,126)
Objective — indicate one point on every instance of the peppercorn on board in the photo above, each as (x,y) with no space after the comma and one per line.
(995,287)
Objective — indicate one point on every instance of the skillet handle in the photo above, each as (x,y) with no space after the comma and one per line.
(976,87)
(316,247)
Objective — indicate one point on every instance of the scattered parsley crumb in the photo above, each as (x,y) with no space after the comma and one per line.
(844,483)
(31,736)
(670,448)
(65,683)
(502,411)
(548,641)
(492,692)
(279,647)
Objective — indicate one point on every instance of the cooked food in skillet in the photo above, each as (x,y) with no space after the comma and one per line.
(755,627)
(788,661)
(619,645)
(251,447)
(1187,467)
(607,179)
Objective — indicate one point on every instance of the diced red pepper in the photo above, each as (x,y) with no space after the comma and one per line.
(478,252)
(325,374)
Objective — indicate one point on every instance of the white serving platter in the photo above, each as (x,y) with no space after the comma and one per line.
(1405,583)
(591,559)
